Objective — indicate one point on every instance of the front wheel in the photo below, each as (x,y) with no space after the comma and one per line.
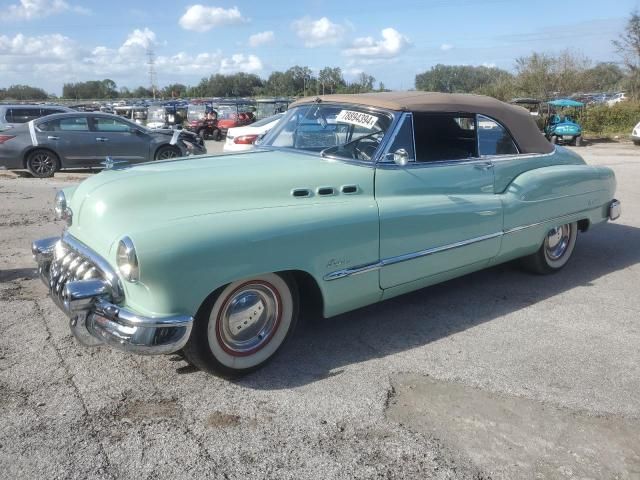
(202,134)
(579,141)
(240,327)
(167,152)
(553,139)
(555,251)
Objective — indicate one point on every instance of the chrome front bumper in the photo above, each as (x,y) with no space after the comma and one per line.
(87,290)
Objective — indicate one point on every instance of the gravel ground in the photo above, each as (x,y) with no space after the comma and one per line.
(363,395)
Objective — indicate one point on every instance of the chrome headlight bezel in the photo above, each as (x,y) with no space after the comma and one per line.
(127,260)
(61,208)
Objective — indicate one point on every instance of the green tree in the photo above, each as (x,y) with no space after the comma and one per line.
(142,92)
(174,90)
(628,47)
(330,80)
(23,92)
(459,78)
(604,77)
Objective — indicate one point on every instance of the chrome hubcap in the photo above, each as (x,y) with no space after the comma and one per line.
(42,163)
(248,318)
(557,241)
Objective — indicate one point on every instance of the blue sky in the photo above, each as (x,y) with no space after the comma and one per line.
(49,42)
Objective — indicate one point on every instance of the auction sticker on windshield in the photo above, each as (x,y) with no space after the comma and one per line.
(357,118)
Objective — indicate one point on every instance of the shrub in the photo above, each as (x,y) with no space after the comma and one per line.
(605,120)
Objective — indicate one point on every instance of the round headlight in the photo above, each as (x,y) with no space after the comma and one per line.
(127,260)
(60,205)
(61,209)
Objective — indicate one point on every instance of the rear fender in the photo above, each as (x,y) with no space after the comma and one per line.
(541,199)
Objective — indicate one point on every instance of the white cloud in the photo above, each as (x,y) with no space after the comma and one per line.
(446,47)
(241,63)
(139,39)
(202,19)
(47,48)
(261,38)
(319,32)
(31,9)
(392,44)
(51,60)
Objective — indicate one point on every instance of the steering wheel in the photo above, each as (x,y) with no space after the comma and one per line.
(360,153)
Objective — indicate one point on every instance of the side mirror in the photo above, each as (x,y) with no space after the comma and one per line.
(401,157)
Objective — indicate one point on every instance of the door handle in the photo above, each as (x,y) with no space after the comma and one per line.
(102,139)
(51,137)
(484,166)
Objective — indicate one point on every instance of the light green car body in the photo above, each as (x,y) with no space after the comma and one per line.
(200,223)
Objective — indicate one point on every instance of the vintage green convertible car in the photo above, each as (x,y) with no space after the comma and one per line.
(350,200)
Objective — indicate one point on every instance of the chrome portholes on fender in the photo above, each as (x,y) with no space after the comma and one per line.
(555,251)
(241,326)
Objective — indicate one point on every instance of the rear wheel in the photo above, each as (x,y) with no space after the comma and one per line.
(167,152)
(217,135)
(240,327)
(555,251)
(202,134)
(42,163)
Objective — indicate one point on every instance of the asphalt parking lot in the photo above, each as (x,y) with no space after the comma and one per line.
(499,374)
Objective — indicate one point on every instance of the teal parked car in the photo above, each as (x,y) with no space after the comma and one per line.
(561,126)
(350,200)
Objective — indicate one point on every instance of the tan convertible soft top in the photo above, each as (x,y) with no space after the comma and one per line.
(516,119)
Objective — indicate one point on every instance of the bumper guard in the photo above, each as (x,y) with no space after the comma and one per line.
(88,302)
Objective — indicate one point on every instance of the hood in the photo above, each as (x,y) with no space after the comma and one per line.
(120,202)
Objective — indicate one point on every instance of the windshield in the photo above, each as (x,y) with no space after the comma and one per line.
(156,113)
(227,112)
(196,112)
(344,131)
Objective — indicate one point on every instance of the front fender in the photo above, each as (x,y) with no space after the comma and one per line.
(186,260)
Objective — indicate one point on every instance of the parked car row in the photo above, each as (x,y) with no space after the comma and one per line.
(38,140)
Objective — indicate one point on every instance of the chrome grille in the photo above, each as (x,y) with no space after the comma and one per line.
(69,265)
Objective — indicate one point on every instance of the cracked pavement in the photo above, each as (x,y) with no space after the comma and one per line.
(349,397)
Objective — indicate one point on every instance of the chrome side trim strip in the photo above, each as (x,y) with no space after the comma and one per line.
(406,257)
(347,272)
(537,224)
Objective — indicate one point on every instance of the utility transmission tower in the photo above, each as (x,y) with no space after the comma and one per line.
(151,62)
